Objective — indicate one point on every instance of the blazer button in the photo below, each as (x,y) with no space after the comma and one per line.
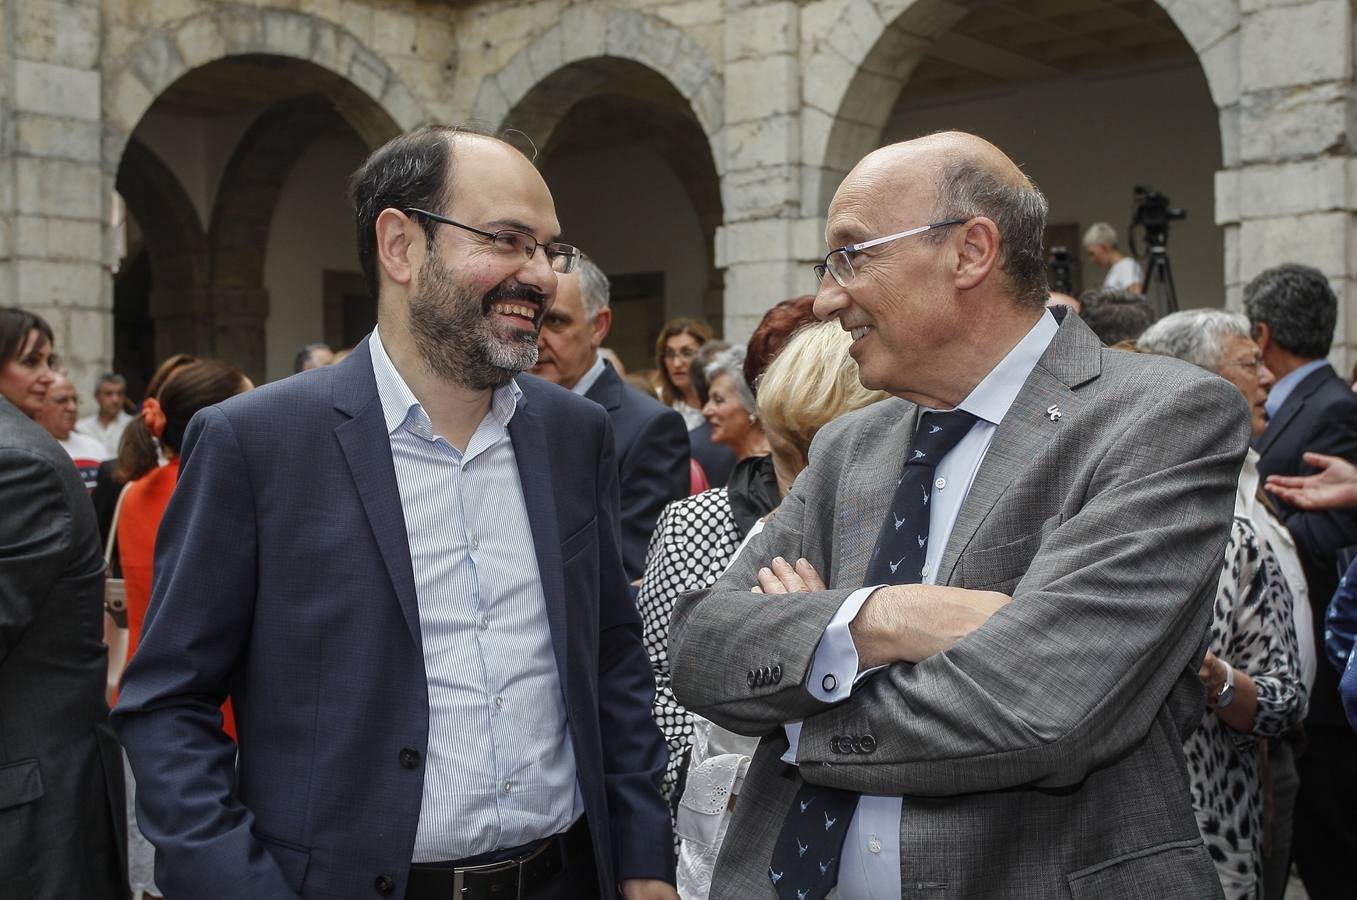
(868,743)
(834,744)
(777,673)
(829,683)
(409,758)
(384,885)
(752,680)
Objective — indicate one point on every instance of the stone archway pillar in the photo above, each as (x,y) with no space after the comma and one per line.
(766,245)
(239,323)
(1289,189)
(53,197)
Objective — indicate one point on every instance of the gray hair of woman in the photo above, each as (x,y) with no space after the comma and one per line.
(1195,335)
(731,362)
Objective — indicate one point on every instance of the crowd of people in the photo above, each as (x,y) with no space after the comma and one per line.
(937,585)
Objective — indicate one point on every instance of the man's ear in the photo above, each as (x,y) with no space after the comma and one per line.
(602,323)
(1262,335)
(397,236)
(978,252)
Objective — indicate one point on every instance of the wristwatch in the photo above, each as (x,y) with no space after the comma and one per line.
(1226,695)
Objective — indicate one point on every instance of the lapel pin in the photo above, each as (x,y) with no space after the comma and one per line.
(1053,413)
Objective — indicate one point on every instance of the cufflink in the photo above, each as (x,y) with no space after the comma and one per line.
(829,683)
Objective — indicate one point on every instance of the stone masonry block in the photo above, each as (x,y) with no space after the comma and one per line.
(44,238)
(1227,196)
(691,68)
(1297,45)
(57,32)
(1221,64)
(63,284)
(58,187)
(762,193)
(401,105)
(753,287)
(157,62)
(545,55)
(761,87)
(57,138)
(709,106)
(584,30)
(333,48)
(635,36)
(1203,24)
(359,18)
(764,240)
(762,30)
(691,13)
(870,99)
(1229,121)
(288,34)
(856,32)
(395,33)
(1303,123)
(1232,256)
(88,339)
(368,72)
(1293,188)
(200,41)
(769,141)
(827,78)
(56,90)
(1320,239)
(516,79)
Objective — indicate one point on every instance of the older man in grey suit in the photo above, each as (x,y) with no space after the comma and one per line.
(924,735)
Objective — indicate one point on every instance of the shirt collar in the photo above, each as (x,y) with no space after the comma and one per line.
(588,379)
(1287,383)
(399,402)
(996,392)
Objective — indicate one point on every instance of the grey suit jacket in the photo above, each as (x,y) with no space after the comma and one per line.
(1041,756)
(61,776)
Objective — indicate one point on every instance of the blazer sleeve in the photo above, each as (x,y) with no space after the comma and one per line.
(168,715)
(634,752)
(1070,675)
(653,474)
(35,540)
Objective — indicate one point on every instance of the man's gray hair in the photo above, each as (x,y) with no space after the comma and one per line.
(1019,212)
(1100,233)
(731,362)
(110,378)
(1195,335)
(594,288)
(1298,306)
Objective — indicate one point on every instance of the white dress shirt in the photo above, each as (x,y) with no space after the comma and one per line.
(499,766)
(108,435)
(870,868)
(588,378)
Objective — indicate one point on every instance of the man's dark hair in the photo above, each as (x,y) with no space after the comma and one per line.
(410,171)
(1298,306)
(1116,316)
(1019,212)
(304,356)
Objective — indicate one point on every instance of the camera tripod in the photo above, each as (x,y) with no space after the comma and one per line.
(1158,282)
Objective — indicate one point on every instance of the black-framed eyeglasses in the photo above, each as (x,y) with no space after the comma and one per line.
(839,262)
(562,258)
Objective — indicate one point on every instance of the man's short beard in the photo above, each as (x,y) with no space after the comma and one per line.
(456,337)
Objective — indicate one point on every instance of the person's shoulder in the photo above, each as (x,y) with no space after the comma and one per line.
(1150,371)
(29,453)
(554,401)
(1335,394)
(285,400)
(82,446)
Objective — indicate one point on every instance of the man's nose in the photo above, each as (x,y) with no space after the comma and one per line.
(830,299)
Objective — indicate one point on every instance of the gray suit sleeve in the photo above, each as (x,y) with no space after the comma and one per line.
(35,540)
(1111,612)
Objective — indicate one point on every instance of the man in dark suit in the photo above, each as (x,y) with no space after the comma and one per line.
(1293,312)
(651,438)
(924,735)
(62,813)
(404,570)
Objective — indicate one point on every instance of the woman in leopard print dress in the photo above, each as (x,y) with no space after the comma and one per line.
(1251,633)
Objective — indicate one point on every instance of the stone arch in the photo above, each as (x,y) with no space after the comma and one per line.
(862,70)
(241,217)
(365,90)
(584,33)
(176,247)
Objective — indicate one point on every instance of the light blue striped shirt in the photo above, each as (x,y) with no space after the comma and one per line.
(499,767)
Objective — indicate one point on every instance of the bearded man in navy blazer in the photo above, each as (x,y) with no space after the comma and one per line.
(405,572)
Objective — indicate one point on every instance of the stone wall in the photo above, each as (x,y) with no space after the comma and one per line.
(789,93)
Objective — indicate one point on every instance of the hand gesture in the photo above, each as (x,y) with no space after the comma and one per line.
(1334,486)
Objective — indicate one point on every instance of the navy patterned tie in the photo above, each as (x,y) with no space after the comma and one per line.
(805,862)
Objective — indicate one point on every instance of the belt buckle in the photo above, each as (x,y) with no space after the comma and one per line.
(459,875)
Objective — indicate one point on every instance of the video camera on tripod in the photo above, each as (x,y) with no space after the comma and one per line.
(1152,216)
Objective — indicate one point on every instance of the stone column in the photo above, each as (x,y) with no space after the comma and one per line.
(52,195)
(766,245)
(1289,193)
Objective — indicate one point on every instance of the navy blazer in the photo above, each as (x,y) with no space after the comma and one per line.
(1320,415)
(283,578)
(652,461)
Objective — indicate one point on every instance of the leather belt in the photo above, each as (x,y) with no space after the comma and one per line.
(506,879)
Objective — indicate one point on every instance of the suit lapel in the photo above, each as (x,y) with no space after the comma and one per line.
(1073,357)
(533,459)
(366,446)
(606,391)
(1292,407)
